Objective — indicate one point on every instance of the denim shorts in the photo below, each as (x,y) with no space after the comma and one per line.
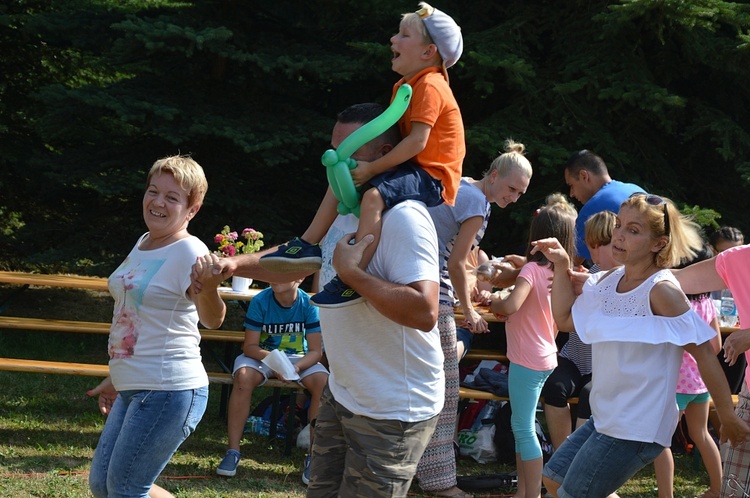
(464,335)
(408,182)
(142,432)
(592,464)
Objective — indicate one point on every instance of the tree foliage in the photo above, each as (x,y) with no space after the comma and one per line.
(93,91)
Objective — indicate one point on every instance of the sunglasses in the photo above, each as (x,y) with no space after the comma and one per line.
(655,200)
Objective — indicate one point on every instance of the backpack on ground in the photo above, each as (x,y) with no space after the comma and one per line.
(259,421)
(505,443)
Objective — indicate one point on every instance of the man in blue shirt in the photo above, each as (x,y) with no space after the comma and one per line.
(588,178)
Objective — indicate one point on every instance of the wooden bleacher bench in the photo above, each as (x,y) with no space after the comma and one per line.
(99,370)
(485,354)
(26,280)
(468,393)
(489,354)
(50,325)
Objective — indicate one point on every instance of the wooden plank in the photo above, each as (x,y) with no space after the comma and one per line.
(96,283)
(728,330)
(50,325)
(76,281)
(484,312)
(485,354)
(466,392)
(53,367)
(96,370)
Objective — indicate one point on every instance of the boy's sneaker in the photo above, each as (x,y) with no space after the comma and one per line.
(306,471)
(295,255)
(228,465)
(336,294)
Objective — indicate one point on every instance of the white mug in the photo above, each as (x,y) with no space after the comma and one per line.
(241,284)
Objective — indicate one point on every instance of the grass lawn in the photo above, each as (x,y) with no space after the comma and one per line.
(49,427)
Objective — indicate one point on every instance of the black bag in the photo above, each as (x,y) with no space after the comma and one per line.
(505,443)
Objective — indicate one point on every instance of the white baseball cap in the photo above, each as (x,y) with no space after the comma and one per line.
(446,35)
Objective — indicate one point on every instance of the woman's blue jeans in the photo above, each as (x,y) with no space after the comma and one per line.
(142,432)
(591,464)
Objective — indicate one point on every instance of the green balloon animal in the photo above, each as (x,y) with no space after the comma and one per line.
(338,162)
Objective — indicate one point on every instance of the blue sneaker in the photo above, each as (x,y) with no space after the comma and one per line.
(306,471)
(336,294)
(228,465)
(295,255)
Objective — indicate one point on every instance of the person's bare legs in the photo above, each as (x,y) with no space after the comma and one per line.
(696,415)
(323,219)
(552,487)
(460,349)
(159,492)
(245,381)
(521,485)
(664,472)
(529,477)
(314,383)
(558,423)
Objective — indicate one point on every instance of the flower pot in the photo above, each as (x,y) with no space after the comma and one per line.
(241,284)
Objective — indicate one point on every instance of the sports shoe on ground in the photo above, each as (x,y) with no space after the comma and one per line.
(295,255)
(228,465)
(336,294)
(306,471)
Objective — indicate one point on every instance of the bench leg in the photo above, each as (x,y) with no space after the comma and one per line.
(226,391)
(275,411)
(291,416)
(291,423)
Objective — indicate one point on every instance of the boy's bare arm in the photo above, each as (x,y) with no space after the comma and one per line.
(314,352)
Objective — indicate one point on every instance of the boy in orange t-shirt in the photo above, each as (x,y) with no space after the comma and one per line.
(427,43)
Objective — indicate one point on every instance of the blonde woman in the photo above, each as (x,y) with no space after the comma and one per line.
(459,228)
(638,323)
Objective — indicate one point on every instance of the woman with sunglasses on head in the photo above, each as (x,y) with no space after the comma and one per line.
(638,323)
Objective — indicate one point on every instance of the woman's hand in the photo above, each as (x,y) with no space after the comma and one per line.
(578,277)
(481,297)
(552,250)
(735,430)
(219,268)
(475,323)
(737,343)
(207,270)
(107,395)
(515,260)
(505,275)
